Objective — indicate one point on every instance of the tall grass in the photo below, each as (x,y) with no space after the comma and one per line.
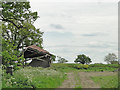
(104,65)
(52,77)
(30,77)
(86,68)
(106,81)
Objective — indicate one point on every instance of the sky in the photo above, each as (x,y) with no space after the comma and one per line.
(73,27)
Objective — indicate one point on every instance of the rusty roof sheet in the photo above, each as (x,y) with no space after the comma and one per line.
(38,48)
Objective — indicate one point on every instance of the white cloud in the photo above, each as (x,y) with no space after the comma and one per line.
(88,27)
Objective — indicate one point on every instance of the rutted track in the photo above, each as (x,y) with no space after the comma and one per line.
(85,79)
(70,82)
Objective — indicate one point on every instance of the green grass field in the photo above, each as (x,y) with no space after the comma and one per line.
(30,77)
(92,67)
(53,77)
(107,81)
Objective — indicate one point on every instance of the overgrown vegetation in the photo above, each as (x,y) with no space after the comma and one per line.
(104,65)
(107,81)
(68,67)
(52,77)
(93,67)
(30,77)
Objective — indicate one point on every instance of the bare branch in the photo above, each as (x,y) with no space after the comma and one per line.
(20,41)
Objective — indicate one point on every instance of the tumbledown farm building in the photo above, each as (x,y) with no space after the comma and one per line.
(40,57)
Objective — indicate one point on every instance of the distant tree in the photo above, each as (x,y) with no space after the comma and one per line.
(114,62)
(98,63)
(83,59)
(61,60)
(110,58)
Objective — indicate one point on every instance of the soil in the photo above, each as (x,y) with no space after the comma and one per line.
(70,82)
(85,79)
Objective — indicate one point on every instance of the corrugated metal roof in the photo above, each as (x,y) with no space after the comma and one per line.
(38,48)
(34,51)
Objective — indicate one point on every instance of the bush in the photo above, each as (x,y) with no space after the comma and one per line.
(85,66)
(104,65)
(80,66)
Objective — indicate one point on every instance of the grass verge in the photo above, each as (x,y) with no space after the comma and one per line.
(106,81)
(77,79)
(30,77)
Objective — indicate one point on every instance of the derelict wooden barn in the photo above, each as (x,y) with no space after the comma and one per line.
(40,57)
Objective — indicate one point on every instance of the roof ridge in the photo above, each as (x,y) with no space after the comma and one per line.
(38,48)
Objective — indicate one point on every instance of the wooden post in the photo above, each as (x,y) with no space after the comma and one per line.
(9,70)
(23,56)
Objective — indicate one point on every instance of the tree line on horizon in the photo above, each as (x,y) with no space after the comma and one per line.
(111,58)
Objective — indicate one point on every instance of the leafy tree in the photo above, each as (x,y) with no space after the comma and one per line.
(88,60)
(18,26)
(61,60)
(18,30)
(110,58)
(9,54)
(83,59)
